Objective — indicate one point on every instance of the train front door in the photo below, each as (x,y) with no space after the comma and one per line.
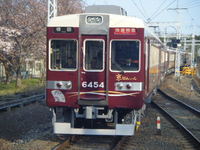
(93,71)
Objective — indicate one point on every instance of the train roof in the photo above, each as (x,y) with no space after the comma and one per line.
(109,9)
(73,20)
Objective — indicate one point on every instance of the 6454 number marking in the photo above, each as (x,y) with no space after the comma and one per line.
(92,84)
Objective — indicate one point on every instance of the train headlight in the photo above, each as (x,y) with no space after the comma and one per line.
(59,85)
(129,86)
(69,30)
(58,29)
(119,85)
(68,85)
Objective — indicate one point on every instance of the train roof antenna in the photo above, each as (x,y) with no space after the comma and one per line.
(52,9)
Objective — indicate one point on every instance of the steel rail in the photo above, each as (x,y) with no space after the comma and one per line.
(21,102)
(196,140)
(187,106)
(174,120)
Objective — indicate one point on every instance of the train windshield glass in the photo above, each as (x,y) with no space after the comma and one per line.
(63,54)
(94,55)
(125,55)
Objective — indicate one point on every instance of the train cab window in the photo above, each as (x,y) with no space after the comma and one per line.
(125,55)
(94,55)
(63,54)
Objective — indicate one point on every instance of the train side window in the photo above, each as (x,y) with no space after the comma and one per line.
(94,50)
(125,55)
(63,54)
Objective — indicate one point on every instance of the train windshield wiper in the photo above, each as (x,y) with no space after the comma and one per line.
(119,67)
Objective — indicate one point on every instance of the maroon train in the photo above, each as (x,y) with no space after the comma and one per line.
(102,67)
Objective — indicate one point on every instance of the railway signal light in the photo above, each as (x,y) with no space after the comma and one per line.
(176,43)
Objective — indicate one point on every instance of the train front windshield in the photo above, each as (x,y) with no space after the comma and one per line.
(125,55)
(94,55)
(63,54)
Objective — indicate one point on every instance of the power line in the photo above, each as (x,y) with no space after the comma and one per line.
(163,9)
(159,7)
(138,9)
(191,3)
(142,7)
(193,21)
(190,15)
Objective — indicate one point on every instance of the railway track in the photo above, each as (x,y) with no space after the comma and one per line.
(21,102)
(89,142)
(182,114)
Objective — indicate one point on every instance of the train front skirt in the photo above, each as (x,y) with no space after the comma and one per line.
(120,128)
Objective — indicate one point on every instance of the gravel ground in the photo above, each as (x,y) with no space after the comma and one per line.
(27,128)
(91,143)
(147,139)
(189,119)
(182,90)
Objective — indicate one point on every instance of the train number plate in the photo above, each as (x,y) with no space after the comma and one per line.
(92,84)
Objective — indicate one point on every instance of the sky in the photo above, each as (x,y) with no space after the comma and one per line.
(161,11)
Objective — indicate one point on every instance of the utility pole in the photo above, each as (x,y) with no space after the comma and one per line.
(52,9)
(184,48)
(178,56)
(193,50)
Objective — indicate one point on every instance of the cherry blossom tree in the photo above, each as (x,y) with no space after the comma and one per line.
(23,31)
(7,57)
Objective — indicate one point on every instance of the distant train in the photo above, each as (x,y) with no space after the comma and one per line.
(102,66)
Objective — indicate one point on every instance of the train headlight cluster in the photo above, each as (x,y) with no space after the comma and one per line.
(64,85)
(128,86)
(60,85)
(68,84)
(63,30)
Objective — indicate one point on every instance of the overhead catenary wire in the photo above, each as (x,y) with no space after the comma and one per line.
(139,9)
(143,8)
(189,15)
(193,21)
(191,3)
(163,10)
(159,7)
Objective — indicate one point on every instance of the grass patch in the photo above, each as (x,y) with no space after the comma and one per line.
(27,86)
